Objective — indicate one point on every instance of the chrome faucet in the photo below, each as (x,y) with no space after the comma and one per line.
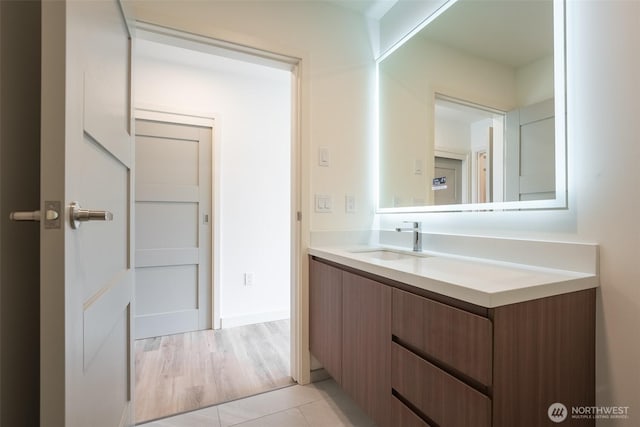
(417,236)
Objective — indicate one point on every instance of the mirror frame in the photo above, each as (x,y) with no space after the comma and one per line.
(560,77)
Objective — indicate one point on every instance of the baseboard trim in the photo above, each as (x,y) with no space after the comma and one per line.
(155,325)
(248,319)
(319,374)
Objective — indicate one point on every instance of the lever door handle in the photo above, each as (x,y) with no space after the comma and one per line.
(25,216)
(79,215)
(50,215)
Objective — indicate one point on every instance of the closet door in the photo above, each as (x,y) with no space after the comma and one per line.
(173,228)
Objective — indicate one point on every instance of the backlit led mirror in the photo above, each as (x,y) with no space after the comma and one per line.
(472,110)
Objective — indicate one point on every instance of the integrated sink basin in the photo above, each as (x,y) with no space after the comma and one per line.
(388,255)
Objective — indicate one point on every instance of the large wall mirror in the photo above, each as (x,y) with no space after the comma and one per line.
(472,110)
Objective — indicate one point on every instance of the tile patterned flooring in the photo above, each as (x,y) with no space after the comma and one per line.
(321,404)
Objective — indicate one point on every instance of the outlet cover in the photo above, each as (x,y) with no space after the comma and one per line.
(350,203)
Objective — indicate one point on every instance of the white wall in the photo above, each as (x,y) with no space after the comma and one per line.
(535,82)
(452,135)
(253,107)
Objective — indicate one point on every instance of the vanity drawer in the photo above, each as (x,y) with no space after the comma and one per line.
(401,415)
(456,338)
(441,397)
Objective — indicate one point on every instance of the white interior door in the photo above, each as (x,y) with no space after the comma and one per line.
(86,272)
(173,228)
(530,157)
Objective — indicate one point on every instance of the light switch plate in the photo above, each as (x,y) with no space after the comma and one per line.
(323,203)
(323,156)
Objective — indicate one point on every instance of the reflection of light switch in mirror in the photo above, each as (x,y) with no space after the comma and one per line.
(323,156)
(417,167)
(350,203)
(323,203)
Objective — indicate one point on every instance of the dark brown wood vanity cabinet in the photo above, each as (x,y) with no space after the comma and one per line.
(366,349)
(325,317)
(350,334)
(429,360)
(544,352)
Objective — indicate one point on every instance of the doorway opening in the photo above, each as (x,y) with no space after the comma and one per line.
(237,341)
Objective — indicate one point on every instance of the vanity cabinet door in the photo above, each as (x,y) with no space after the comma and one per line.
(366,363)
(325,317)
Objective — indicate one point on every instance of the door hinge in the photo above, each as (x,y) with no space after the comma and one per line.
(299,216)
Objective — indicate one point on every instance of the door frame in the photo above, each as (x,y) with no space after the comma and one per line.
(209,120)
(259,52)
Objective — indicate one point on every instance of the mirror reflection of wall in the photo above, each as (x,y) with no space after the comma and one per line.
(453,91)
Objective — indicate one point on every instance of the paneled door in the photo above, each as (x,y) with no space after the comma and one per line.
(86,270)
(173,228)
(530,157)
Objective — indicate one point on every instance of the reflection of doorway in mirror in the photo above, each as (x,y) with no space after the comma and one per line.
(465,127)
(484,171)
(482,176)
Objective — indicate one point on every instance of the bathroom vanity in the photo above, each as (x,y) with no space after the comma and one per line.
(447,340)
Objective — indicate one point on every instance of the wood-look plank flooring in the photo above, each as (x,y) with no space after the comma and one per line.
(183,372)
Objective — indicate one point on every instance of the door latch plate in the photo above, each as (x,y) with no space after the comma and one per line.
(50,220)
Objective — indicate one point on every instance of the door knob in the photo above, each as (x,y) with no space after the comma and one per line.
(78,215)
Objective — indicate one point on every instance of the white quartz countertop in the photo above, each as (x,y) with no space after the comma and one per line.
(478,281)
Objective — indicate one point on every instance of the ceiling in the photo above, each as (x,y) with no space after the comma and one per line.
(375,9)
(514,33)
(360,6)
